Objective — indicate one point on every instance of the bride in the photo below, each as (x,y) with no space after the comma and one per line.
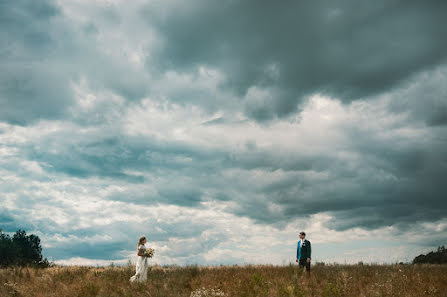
(142,262)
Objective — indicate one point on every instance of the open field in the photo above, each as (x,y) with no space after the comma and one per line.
(328,280)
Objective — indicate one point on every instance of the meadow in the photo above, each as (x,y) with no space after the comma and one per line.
(244,281)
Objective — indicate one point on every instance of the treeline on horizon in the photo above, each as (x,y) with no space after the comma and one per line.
(437,257)
(21,250)
(25,250)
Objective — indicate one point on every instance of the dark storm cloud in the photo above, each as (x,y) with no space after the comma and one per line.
(346,49)
(29,88)
(387,186)
(43,53)
(271,56)
(424,96)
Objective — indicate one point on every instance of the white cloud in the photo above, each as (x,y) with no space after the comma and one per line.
(78,261)
(172,153)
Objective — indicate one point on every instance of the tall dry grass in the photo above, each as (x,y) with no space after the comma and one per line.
(281,281)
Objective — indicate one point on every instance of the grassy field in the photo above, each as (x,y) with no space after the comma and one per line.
(328,280)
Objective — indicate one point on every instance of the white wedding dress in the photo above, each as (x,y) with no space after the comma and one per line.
(142,267)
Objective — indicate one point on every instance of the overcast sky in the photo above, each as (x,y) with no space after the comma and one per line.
(220,129)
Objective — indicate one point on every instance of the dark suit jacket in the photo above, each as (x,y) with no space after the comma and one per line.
(305,250)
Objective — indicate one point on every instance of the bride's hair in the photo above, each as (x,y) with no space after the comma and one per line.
(140,241)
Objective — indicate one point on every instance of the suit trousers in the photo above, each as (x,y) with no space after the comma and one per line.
(303,263)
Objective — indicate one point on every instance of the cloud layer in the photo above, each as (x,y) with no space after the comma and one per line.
(341,49)
(220,131)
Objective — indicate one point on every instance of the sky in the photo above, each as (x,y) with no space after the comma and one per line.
(221,129)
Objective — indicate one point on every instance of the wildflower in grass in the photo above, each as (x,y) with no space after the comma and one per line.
(207,292)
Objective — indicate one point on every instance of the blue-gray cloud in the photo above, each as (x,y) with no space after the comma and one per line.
(30,87)
(343,49)
(43,54)
(180,115)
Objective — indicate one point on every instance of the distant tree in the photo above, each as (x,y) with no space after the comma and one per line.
(438,257)
(21,249)
(7,253)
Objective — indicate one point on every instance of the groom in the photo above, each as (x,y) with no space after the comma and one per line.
(303,252)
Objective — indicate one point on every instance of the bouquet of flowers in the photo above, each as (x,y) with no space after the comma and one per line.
(148,252)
